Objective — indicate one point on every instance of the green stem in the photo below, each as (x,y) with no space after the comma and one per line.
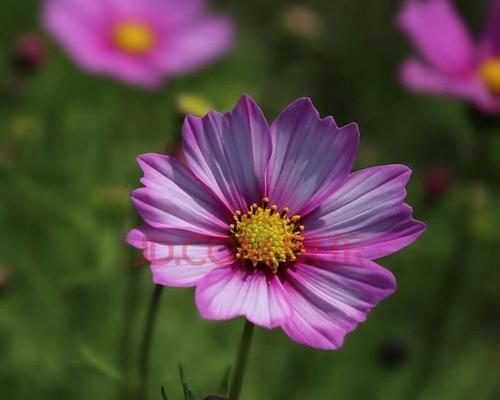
(127,346)
(241,361)
(146,342)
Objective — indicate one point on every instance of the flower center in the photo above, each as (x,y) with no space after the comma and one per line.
(490,73)
(267,237)
(133,37)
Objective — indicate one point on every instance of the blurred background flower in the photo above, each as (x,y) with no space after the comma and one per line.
(139,41)
(450,62)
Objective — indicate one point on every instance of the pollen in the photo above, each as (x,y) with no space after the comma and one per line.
(135,38)
(490,73)
(267,238)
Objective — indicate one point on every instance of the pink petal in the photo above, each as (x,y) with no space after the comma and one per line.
(161,13)
(77,25)
(138,71)
(230,152)
(310,157)
(439,34)
(88,11)
(230,292)
(180,258)
(330,300)
(419,77)
(173,198)
(188,48)
(365,217)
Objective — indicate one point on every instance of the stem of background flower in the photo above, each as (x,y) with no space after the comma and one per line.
(146,342)
(241,361)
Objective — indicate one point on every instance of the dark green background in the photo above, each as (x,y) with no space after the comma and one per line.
(71,316)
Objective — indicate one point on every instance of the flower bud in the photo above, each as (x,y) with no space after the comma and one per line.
(192,104)
(29,52)
(4,280)
(393,352)
(437,180)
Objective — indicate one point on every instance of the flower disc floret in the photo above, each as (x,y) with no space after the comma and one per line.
(133,37)
(490,73)
(267,237)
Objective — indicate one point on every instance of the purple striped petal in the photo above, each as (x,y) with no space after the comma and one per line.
(173,198)
(230,152)
(439,34)
(330,300)
(310,157)
(227,293)
(180,258)
(365,217)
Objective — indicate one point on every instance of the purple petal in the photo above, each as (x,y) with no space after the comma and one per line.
(365,217)
(230,292)
(439,34)
(173,198)
(230,152)
(419,77)
(180,258)
(491,39)
(330,300)
(310,157)
(189,48)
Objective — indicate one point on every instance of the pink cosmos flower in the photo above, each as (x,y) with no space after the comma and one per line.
(451,63)
(138,41)
(268,222)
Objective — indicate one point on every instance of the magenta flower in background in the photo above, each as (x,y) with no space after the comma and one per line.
(268,222)
(138,41)
(450,62)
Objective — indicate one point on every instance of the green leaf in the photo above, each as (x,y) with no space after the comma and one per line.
(188,395)
(224,386)
(163,394)
(93,360)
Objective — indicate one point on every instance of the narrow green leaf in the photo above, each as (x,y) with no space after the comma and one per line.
(93,360)
(224,386)
(188,395)
(163,394)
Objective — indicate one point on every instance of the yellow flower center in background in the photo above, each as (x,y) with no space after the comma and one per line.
(267,237)
(490,73)
(133,37)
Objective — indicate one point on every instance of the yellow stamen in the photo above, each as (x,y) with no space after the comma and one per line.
(490,73)
(265,237)
(133,37)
